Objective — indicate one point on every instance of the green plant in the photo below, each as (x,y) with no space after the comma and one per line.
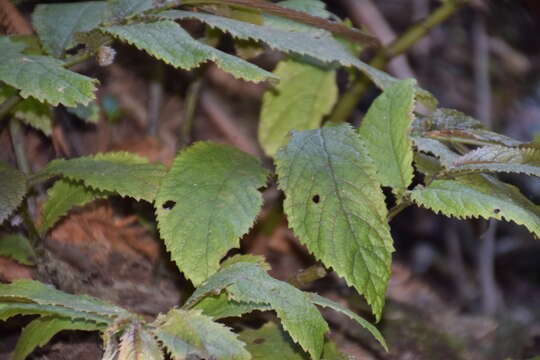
(332,176)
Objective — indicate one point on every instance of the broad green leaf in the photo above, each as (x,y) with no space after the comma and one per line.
(205,203)
(9,309)
(220,306)
(63,196)
(39,293)
(120,9)
(479,196)
(321,301)
(12,190)
(88,113)
(18,248)
(312,7)
(385,131)
(120,172)
(257,259)
(137,343)
(496,158)
(189,333)
(438,149)
(168,42)
(56,24)
(304,95)
(40,331)
(336,206)
(30,111)
(247,282)
(43,77)
(270,342)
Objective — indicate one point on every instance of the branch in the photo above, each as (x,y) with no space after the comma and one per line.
(348,101)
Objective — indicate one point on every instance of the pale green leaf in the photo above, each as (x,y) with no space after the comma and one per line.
(476,196)
(120,9)
(88,113)
(137,343)
(385,131)
(190,333)
(56,24)
(438,149)
(10,309)
(445,119)
(220,306)
(270,342)
(30,111)
(312,7)
(257,259)
(247,282)
(336,207)
(39,293)
(496,158)
(313,44)
(17,247)
(63,196)
(427,164)
(321,301)
(120,172)
(40,331)
(12,190)
(206,202)
(43,77)
(168,42)
(304,95)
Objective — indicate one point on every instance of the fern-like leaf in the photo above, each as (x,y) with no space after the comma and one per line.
(336,207)
(12,190)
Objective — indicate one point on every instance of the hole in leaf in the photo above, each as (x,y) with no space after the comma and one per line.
(496,211)
(168,205)
(316,199)
(259,341)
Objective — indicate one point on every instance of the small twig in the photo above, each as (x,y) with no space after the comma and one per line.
(307,276)
(155,99)
(393,212)
(348,101)
(192,100)
(7,106)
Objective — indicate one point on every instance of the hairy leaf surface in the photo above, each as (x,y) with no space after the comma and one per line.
(304,95)
(39,293)
(120,9)
(17,247)
(479,196)
(496,158)
(40,331)
(9,309)
(137,343)
(206,202)
(190,333)
(42,77)
(120,172)
(385,131)
(63,196)
(56,24)
(168,42)
(247,282)
(12,190)
(336,207)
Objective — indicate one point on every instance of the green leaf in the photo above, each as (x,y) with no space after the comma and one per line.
(88,113)
(189,333)
(321,301)
(30,111)
(313,44)
(385,131)
(43,77)
(220,306)
(63,196)
(12,190)
(304,95)
(270,342)
(137,343)
(206,202)
(167,41)
(18,248)
(445,119)
(496,158)
(39,293)
(120,172)
(40,331)
(56,24)
(120,9)
(247,282)
(336,207)
(438,149)
(479,196)
(9,309)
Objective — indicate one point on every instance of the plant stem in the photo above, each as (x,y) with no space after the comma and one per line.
(405,203)
(8,105)
(192,100)
(348,101)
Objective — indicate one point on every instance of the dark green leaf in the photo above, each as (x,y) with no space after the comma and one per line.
(18,248)
(12,190)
